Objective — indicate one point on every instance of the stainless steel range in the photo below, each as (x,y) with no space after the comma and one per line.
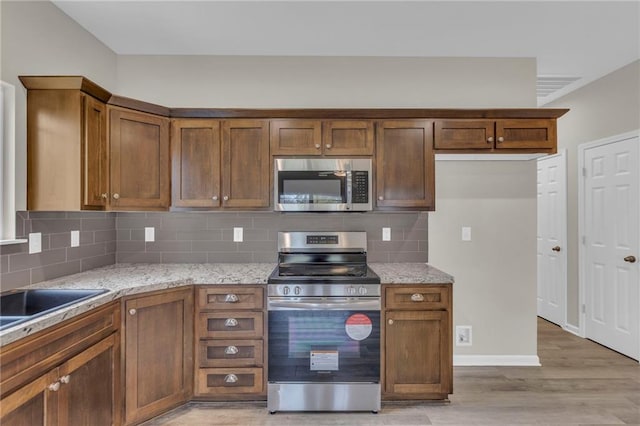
(324,324)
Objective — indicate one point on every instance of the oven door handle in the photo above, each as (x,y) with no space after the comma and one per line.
(323,303)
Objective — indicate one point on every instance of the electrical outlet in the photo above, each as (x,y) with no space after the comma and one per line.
(149,234)
(75,238)
(466,233)
(463,335)
(35,242)
(386,234)
(237,235)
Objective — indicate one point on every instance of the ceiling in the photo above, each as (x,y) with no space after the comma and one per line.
(574,42)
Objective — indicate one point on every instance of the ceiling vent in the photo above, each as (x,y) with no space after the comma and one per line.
(546,85)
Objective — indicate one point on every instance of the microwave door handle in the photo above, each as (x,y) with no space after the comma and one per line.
(349,183)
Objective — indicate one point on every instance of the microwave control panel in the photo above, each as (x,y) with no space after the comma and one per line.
(360,187)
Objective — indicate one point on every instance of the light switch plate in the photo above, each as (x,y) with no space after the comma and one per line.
(466,233)
(35,242)
(237,235)
(75,238)
(149,233)
(386,234)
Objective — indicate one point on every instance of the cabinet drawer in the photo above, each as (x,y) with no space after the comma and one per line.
(230,353)
(221,381)
(424,297)
(231,325)
(217,298)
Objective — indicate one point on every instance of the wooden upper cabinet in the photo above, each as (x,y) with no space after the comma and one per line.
(245,164)
(139,152)
(195,163)
(347,137)
(296,137)
(317,137)
(405,163)
(525,135)
(95,160)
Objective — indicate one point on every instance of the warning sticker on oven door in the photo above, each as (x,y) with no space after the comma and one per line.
(324,360)
(358,326)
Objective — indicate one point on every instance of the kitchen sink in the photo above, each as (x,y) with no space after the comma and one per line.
(17,306)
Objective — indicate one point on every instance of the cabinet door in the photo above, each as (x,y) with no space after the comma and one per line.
(33,405)
(464,134)
(95,167)
(417,353)
(139,152)
(195,160)
(158,353)
(348,137)
(526,134)
(296,137)
(405,164)
(88,388)
(245,163)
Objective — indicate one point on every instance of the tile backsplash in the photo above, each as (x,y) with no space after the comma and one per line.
(192,237)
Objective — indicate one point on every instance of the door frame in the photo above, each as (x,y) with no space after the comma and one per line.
(582,252)
(562,153)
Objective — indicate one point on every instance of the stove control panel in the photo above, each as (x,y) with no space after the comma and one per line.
(323,290)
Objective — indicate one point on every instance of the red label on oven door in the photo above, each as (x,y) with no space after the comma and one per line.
(358,326)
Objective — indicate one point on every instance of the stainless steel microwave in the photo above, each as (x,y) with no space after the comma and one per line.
(322,184)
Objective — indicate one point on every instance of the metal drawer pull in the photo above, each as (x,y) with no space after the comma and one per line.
(231,298)
(630,259)
(54,387)
(417,297)
(230,378)
(231,322)
(230,350)
(65,379)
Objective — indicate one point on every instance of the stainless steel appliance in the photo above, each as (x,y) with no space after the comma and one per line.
(324,324)
(322,184)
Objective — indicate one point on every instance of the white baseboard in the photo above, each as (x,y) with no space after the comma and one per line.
(496,360)
(572,329)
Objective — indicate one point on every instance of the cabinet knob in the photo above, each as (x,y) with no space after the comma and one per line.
(630,259)
(132,311)
(214,198)
(317,146)
(230,378)
(54,387)
(390,322)
(225,198)
(231,322)
(104,195)
(328,146)
(231,298)
(65,379)
(417,297)
(231,350)
(381,198)
(490,139)
(116,196)
(500,139)
(556,248)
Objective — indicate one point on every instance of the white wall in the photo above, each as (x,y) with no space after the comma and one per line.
(38,39)
(494,293)
(606,107)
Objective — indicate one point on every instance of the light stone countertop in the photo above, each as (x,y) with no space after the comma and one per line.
(127,279)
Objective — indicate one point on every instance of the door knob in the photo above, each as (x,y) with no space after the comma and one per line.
(381,198)
(54,387)
(500,139)
(630,259)
(104,195)
(556,248)
(132,311)
(390,322)
(328,146)
(65,379)
(214,198)
(317,146)
(225,198)
(490,139)
(116,196)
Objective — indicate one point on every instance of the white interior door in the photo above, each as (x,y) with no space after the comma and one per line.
(552,236)
(611,234)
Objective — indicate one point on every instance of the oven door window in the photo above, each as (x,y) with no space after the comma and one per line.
(311,187)
(324,346)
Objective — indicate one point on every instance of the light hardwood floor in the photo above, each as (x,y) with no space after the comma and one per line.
(579,383)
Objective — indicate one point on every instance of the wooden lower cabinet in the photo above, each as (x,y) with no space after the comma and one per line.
(158,352)
(83,390)
(418,357)
(230,332)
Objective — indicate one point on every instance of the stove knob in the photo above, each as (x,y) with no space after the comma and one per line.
(362,291)
(351,290)
(297,290)
(285,290)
